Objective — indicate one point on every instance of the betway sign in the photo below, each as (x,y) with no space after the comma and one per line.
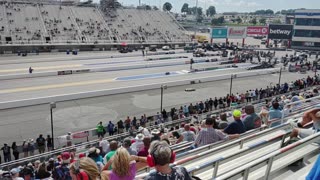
(257,31)
(237,32)
(280,31)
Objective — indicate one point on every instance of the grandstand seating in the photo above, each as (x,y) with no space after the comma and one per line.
(56,24)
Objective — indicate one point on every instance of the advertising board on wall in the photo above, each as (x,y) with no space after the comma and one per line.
(218,33)
(257,31)
(280,31)
(237,32)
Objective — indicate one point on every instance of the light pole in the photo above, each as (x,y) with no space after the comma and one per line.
(162,88)
(231,80)
(52,106)
(280,76)
(195,29)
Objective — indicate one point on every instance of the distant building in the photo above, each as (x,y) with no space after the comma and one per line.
(307,29)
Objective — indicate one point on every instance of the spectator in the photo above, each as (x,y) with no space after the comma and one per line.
(62,171)
(31,147)
(127,123)
(41,144)
(69,139)
(160,157)
(15,174)
(138,144)
(146,144)
(15,151)
(94,154)
(251,120)
(312,115)
(120,126)
(49,143)
(124,165)
(111,128)
(104,145)
(85,168)
(223,123)
(187,135)
(100,130)
(144,131)
(25,148)
(209,135)
(50,165)
(155,135)
(126,144)
(42,172)
(275,113)
(113,149)
(6,150)
(237,126)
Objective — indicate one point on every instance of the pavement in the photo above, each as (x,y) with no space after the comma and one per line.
(27,122)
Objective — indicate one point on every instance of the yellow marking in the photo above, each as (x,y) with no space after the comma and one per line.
(52,86)
(42,68)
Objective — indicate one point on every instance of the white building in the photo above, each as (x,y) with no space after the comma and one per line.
(307,29)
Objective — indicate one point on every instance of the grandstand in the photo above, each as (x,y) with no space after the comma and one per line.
(26,23)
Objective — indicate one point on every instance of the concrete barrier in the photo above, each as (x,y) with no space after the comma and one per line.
(113,91)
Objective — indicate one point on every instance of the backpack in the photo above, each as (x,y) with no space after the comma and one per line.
(6,150)
(40,141)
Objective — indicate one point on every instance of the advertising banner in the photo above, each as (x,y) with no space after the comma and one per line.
(257,31)
(237,32)
(219,33)
(280,31)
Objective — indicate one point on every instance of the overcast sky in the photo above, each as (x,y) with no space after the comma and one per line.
(234,5)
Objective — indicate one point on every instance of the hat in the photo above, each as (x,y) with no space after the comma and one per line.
(139,136)
(65,156)
(140,129)
(15,171)
(81,155)
(51,159)
(127,142)
(236,113)
(94,150)
(155,131)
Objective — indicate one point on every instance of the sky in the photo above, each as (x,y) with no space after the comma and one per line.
(233,5)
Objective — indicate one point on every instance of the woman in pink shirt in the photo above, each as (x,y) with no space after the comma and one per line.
(124,166)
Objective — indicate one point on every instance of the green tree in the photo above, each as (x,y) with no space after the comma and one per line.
(239,20)
(155,8)
(185,8)
(253,21)
(167,6)
(211,11)
(269,11)
(262,21)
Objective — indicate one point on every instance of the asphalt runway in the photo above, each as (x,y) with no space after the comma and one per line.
(70,116)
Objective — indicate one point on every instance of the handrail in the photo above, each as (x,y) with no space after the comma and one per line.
(269,158)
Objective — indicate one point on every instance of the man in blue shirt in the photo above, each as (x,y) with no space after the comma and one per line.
(275,113)
(237,126)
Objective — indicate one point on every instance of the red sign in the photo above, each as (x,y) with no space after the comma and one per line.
(79,135)
(257,30)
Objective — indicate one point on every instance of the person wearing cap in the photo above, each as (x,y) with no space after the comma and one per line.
(62,171)
(209,135)
(237,126)
(31,147)
(312,115)
(146,144)
(126,144)
(162,156)
(15,174)
(155,135)
(138,144)
(94,154)
(100,130)
(251,120)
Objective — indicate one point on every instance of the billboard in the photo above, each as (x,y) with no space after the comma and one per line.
(237,32)
(280,31)
(219,32)
(257,31)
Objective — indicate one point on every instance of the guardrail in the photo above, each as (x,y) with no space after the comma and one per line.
(268,160)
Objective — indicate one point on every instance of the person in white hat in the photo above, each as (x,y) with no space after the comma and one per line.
(138,144)
(15,174)
(144,131)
